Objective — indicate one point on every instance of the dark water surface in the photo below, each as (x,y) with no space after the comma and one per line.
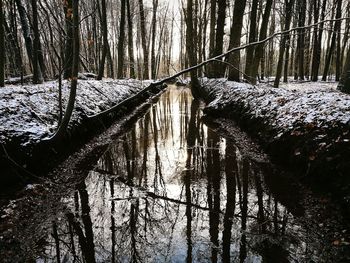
(173,190)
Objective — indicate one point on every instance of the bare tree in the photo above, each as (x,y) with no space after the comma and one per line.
(130,41)
(153,39)
(121,40)
(235,39)
(105,39)
(335,33)
(219,68)
(74,75)
(288,11)
(189,48)
(252,38)
(344,83)
(259,49)
(144,40)
(37,74)
(68,47)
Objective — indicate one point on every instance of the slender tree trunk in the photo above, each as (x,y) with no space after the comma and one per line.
(25,29)
(316,7)
(307,45)
(130,41)
(252,38)
(301,38)
(144,41)
(74,75)
(344,83)
(286,61)
(212,36)
(263,65)
(153,39)
(316,60)
(189,48)
(204,35)
(219,68)
(288,11)
(11,32)
(346,35)
(259,50)
(337,26)
(121,40)
(338,65)
(105,40)
(37,74)
(2,46)
(235,40)
(271,50)
(68,48)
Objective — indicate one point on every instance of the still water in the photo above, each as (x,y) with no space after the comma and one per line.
(173,190)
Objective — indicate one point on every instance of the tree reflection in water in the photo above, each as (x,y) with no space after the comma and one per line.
(173,190)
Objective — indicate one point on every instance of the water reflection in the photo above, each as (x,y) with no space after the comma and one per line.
(173,190)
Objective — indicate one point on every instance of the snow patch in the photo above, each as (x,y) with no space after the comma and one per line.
(31,112)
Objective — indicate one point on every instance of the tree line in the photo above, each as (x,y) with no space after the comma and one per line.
(152,38)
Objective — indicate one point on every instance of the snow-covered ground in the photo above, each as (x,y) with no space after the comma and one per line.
(30,112)
(318,104)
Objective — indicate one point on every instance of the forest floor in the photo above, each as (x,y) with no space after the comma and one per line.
(31,112)
(29,116)
(303,125)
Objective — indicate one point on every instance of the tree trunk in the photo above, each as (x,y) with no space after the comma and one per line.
(288,11)
(337,26)
(15,51)
(219,68)
(252,38)
(68,48)
(2,46)
(37,74)
(153,39)
(301,39)
(286,61)
(259,49)
(344,83)
(235,40)
(271,49)
(121,40)
(316,57)
(130,41)
(338,65)
(25,29)
(74,74)
(210,67)
(189,48)
(144,41)
(105,39)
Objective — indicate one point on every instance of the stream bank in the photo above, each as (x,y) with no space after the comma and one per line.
(305,129)
(29,116)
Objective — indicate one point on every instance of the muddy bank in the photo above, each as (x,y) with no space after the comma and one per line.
(29,116)
(306,130)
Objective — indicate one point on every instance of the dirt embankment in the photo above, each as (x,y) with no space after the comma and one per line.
(305,128)
(29,116)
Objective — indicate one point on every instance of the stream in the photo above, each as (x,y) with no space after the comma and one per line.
(171,189)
